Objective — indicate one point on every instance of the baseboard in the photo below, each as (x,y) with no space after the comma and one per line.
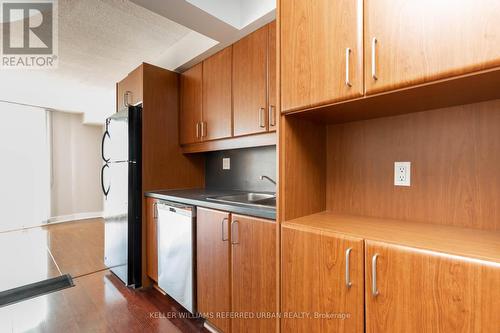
(75,217)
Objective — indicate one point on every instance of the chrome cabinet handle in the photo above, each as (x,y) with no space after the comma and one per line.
(234,225)
(203,129)
(374,275)
(272,115)
(347,57)
(125,98)
(348,282)
(155,211)
(261,117)
(223,229)
(374,58)
(198,130)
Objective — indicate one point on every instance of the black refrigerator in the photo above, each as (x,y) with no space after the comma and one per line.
(122,188)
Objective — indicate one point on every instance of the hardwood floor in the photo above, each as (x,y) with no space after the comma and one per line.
(98,303)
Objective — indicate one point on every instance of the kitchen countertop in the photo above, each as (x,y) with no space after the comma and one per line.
(198,197)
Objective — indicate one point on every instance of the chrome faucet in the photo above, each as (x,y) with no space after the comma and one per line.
(266,177)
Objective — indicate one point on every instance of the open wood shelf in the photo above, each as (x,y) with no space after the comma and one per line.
(473,243)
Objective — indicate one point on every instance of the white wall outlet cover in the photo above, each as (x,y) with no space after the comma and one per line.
(402,173)
(226,163)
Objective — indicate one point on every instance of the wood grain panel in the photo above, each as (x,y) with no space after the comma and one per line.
(422,291)
(422,41)
(213,267)
(151,239)
(272,87)
(250,83)
(454,153)
(314,282)
(217,95)
(254,274)
(190,104)
(314,36)
(473,243)
(303,166)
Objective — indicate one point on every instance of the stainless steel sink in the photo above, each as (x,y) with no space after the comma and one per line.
(248,199)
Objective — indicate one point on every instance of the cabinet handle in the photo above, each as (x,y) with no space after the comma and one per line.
(374,275)
(203,129)
(374,58)
(155,211)
(272,116)
(234,225)
(261,117)
(125,98)
(198,130)
(348,282)
(224,228)
(347,57)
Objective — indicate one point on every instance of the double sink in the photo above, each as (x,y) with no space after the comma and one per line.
(254,199)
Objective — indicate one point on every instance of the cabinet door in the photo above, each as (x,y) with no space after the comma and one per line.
(322,276)
(424,291)
(421,41)
(151,240)
(271,75)
(250,83)
(130,89)
(190,112)
(213,277)
(317,67)
(253,273)
(217,95)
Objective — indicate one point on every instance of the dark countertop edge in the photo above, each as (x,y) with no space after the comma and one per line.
(237,209)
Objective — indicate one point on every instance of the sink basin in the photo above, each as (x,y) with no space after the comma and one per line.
(249,199)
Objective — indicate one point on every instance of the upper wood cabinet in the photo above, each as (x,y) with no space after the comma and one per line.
(151,239)
(322,273)
(213,272)
(411,290)
(190,109)
(217,96)
(411,41)
(130,89)
(250,83)
(254,275)
(271,76)
(321,52)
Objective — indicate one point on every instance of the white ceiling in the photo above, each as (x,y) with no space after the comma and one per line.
(100,41)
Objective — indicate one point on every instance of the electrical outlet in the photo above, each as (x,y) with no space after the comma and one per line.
(402,173)
(226,163)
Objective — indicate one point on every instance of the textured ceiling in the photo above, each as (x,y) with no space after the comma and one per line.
(100,41)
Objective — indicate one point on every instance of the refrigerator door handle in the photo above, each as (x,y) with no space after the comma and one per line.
(104,190)
(106,133)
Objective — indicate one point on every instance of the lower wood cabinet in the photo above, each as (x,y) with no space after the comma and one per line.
(322,282)
(236,271)
(254,278)
(411,290)
(151,239)
(213,267)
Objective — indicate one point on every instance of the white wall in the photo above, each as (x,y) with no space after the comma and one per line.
(76,165)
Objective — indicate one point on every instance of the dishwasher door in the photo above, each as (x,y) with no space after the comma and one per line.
(177,252)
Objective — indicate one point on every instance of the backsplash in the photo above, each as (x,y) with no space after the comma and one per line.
(246,167)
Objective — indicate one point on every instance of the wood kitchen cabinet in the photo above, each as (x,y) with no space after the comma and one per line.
(213,266)
(410,41)
(130,89)
(253,273)
(151,239)
(321,52)
(322,273)
(191,104)
(250,111)
(217,96)
(412,290)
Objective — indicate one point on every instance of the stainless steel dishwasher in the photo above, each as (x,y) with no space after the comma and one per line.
(177,252)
